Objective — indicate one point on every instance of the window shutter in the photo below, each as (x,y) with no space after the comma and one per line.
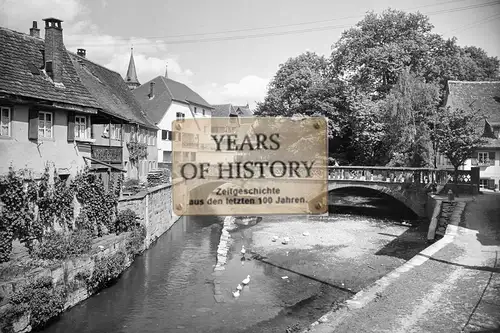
(33,125)
(71,126)
(491,157)
(491,184)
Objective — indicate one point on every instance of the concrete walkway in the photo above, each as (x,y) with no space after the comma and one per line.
(452,286)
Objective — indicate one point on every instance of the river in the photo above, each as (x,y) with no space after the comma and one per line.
(170,288)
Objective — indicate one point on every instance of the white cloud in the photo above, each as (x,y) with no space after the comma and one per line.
(150,56)
(250,89)
(18,14)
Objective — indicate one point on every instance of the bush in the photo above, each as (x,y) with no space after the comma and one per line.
(59,246)
(126,220)
(135,241)
(41,299)
(106,270)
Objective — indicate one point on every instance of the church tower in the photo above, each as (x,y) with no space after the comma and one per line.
(131,78)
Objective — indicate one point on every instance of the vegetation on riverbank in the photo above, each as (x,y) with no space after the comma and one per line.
(39,214)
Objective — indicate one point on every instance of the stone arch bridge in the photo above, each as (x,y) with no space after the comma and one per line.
(407,185)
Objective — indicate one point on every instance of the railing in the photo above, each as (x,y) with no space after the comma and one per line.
(398,175)
(107,154)
(374,174)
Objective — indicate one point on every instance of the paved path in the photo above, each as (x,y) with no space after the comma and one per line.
(453,286)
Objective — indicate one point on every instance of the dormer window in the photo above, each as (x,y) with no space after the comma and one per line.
(496,132)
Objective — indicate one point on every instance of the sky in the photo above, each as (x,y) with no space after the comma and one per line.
(229,50)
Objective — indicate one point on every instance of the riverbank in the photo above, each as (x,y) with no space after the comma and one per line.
(34,291)
(326,260)
(450,286)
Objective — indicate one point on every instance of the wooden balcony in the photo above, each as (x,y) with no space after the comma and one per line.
(107,154)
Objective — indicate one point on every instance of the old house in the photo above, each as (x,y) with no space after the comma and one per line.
(164,100)
(121,122)
(53,104)
(484,97)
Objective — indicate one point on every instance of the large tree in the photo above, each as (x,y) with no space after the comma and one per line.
(378,87)
(372,54)
(458,134)
(409,108)
(303,86)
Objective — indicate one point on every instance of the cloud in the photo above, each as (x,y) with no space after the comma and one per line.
(19,13)
(250,89)
(150,56)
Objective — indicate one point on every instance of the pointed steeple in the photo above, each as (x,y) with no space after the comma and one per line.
(131,78)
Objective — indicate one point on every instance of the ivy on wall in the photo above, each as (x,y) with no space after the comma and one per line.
(137,151)
(31,206)
(17,219)
(98,204)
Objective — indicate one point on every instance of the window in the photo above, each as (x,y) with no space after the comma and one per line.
(5,120)
(153,138)
(496,132)
(80,127)
(133,133)
(139,135)
(203,111)
(483,158)
(45,122)
(195,109)
(116,131)
(483,183)
(193,157)
(180,115)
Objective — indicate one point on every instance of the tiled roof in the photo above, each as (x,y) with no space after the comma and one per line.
(165,91)
(243,110)
(223,110)
(20,54)
(109,89)
(484,96)
(182,93)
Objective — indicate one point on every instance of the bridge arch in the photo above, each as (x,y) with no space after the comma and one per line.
(204,190)
(413,201)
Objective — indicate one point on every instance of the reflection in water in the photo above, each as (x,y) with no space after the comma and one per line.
(170,289)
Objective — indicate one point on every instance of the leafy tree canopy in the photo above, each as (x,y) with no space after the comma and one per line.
(458,134)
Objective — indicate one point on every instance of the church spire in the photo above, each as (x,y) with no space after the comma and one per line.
(131,78)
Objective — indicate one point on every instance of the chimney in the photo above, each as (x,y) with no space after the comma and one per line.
(35,32)
(166,71)
(54,48)
(151,89)
(81,52)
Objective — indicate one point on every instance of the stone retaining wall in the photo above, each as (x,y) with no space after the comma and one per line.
(153,208)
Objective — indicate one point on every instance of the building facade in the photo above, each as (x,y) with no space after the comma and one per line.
(485,97)
(165,100)
(54,102)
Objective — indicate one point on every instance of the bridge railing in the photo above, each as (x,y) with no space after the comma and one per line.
(398,174)
(378,174)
